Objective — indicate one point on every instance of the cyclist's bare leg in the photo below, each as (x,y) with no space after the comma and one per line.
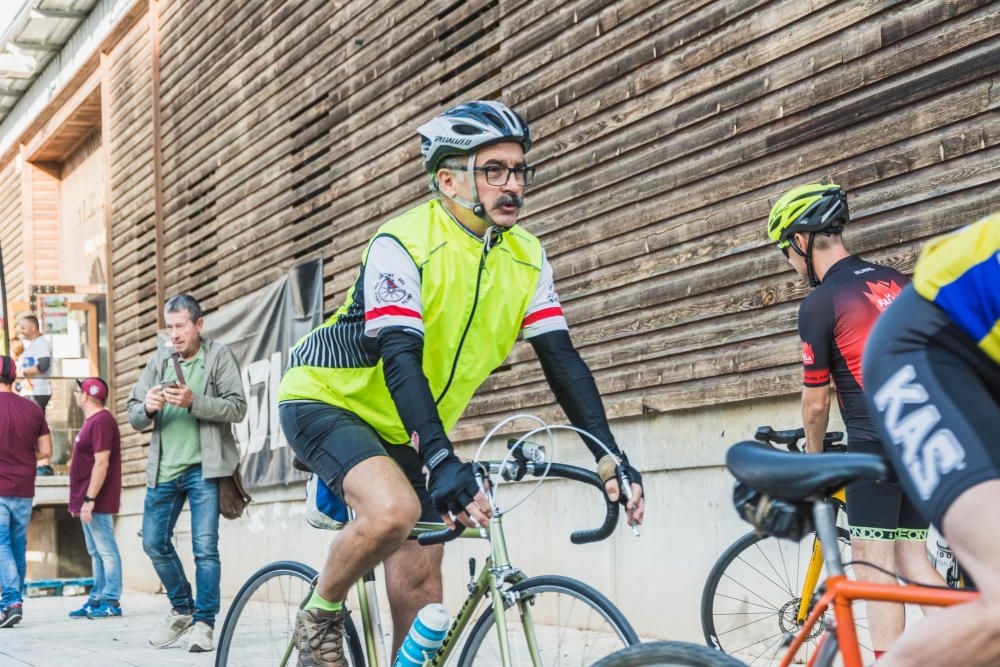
(412,581)
(912,563)
(386,507)
(885,619)
(969,634)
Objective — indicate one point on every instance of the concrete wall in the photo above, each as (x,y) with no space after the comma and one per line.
(655,579)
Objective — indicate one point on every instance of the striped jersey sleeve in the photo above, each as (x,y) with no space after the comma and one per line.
(392,288)
(544,313)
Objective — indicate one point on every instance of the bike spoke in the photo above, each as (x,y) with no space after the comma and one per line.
(784,589)
(730,597)
(787,587)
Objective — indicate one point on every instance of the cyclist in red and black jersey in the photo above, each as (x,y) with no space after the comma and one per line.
(834,322)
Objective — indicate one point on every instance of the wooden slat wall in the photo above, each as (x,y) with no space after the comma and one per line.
(44,222)
(11,232)
(133,237)
(665,130)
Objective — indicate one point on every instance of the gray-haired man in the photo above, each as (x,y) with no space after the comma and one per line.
(191,448)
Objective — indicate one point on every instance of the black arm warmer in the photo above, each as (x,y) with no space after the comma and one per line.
(402,362)
(574,388)
(43,364)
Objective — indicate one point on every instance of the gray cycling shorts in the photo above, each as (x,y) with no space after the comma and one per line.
(331,441)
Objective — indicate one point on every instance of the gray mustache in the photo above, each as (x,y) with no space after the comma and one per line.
(509,200)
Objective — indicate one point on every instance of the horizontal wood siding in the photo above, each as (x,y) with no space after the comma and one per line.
(133,254)
(12,233)
(45,236)
(664,132)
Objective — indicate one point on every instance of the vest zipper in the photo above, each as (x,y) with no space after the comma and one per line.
(461,342)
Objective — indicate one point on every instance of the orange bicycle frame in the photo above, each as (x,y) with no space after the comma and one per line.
(841,592)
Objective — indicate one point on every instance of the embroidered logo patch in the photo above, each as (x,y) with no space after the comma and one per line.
(391,289)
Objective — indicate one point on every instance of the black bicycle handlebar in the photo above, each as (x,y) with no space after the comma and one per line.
(832,441)
(440,536)
(573,473)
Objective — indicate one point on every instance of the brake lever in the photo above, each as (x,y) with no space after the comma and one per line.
(626,485)
(486,488)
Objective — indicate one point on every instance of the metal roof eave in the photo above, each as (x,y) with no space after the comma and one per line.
(37,34)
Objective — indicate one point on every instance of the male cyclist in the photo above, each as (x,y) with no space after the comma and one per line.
(834,323)
(443,292)
(932,367)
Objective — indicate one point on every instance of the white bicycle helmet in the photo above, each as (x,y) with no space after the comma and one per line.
(467,128)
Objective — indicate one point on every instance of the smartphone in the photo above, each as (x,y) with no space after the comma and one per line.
(167,384)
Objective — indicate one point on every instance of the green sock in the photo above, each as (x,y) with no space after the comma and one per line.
(317,601)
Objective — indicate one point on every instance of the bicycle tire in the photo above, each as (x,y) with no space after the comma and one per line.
(296,570)
(775,622)
(533,588)
(669,654)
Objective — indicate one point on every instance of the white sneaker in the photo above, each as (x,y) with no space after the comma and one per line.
(201,638)
(171,629)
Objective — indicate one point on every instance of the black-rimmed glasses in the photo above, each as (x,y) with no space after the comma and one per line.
(498,174)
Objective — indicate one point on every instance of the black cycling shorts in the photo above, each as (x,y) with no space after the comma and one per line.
(331,441)
(934,397)
(880,510)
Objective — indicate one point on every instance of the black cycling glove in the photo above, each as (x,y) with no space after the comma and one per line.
(452,485)
(607,470)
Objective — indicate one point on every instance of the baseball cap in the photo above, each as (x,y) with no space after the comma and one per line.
(95,387)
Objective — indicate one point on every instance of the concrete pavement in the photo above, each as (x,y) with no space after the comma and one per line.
(47,637)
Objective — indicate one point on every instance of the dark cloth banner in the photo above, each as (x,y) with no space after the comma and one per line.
(260,328)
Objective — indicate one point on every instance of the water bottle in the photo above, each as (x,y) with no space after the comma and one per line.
(425,637)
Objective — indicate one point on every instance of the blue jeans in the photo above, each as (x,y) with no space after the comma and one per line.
(107,563)
(162,507)
(15,513)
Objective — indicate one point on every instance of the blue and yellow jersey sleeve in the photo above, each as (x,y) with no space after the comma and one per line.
(960,273)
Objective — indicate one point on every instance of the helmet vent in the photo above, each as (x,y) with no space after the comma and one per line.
(468,130)
(496,120)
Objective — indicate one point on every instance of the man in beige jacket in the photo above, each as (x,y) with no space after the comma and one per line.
(191,398)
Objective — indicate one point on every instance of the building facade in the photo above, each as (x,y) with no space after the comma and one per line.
(207,147)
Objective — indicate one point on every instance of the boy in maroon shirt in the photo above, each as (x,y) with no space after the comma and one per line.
(95,486)
(24,439)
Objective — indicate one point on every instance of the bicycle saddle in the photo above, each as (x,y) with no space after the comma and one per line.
(795,477)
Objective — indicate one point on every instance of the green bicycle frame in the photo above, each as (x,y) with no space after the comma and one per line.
(496,571)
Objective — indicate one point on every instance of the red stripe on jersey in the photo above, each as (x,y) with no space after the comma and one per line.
(391,311)
(542,314)
(816,377)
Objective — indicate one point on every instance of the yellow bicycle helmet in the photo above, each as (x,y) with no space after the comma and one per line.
(808,208)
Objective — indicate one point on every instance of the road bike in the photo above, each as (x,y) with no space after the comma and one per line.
(543,620)
(761,587)
(798,487)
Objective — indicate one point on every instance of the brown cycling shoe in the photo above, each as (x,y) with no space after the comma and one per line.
(319,638)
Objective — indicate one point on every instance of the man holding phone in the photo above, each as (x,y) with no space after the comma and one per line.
(190,396)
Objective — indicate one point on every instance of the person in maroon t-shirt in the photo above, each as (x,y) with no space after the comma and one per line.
(95,488)
(24,439)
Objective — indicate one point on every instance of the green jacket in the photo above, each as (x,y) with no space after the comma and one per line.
(222,405)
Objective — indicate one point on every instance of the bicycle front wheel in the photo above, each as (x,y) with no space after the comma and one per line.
(751,599)
(572,623)
(669,654)
(260,624)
